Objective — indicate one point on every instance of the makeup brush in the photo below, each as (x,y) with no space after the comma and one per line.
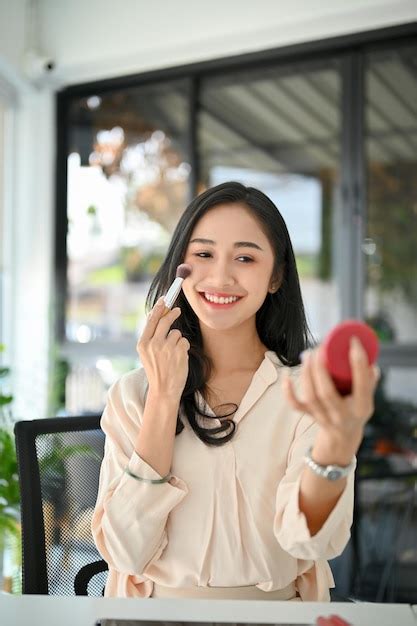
(183,271)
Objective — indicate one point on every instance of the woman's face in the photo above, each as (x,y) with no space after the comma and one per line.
(230,256)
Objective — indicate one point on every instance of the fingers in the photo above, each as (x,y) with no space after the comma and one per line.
(377,375)
(309,392)
(364,379)
(325,388)
(174,336)
(319,395)
(320,398)
(159,321)
(185,343)
(165,323)
(153,319)
(310,402)
(176,339)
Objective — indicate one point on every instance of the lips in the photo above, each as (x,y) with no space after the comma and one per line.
(220,295)
(218,305)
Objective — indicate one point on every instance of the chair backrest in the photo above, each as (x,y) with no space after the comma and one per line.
(385,538)
(59,463)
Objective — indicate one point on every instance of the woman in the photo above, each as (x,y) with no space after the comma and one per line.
(205,491)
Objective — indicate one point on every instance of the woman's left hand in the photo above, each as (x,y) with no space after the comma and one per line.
(341,418)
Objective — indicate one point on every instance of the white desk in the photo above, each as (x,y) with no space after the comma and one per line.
(84,611)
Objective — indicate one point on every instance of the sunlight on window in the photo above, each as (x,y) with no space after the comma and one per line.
(127,187)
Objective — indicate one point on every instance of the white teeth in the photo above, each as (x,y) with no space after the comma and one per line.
(220,300)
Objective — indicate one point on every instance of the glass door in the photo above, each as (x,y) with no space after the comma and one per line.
(280,130)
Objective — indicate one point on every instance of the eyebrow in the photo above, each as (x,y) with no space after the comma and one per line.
(237,244)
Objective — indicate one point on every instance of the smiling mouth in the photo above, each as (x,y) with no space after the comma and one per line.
(219,301)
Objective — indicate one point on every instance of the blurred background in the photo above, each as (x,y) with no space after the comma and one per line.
(113,117)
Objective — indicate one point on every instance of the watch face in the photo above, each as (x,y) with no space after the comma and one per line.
(334,474)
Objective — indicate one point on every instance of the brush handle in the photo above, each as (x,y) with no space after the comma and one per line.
(173,291)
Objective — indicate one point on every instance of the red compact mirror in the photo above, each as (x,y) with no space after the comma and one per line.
(336,351)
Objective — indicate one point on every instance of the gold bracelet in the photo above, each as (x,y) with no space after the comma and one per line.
(148,480)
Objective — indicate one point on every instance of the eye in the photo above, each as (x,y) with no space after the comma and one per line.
(199,254)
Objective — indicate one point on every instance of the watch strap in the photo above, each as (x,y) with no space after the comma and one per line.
(330,472)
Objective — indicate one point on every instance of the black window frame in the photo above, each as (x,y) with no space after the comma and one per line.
(351,49)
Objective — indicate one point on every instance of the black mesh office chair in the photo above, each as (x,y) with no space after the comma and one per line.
(59,463)
(385,538)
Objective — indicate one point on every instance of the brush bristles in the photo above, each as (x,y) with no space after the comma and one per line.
(183,271)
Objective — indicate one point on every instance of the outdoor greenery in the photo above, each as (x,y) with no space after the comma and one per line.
(10,535)
(9,487)
(9,483)
(392,225)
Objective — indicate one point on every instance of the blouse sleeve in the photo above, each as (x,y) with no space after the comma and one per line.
(290,525)
(130,516)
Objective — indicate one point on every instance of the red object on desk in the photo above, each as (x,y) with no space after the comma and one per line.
(333,620)
(336,351)
(386,446)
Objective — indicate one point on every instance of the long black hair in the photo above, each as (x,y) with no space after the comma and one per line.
(280,322)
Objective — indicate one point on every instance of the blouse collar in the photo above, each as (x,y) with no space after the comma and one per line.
(265,375)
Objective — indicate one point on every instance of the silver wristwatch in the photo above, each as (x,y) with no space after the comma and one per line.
(331,472)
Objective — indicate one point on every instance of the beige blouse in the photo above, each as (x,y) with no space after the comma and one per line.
(229,516)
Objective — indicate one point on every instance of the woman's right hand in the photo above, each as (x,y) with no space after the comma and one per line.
(164,352)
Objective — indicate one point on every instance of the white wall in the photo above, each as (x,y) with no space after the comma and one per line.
(12,31)
(26,228)
(27,232)
(32,271)
(100,38)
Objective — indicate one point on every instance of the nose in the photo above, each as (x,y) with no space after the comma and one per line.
(221,274)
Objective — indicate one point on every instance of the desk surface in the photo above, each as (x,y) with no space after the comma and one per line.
(84,611)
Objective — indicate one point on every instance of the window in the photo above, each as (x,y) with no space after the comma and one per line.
(391,150)
(280,130)
(128,183)
(133,151)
